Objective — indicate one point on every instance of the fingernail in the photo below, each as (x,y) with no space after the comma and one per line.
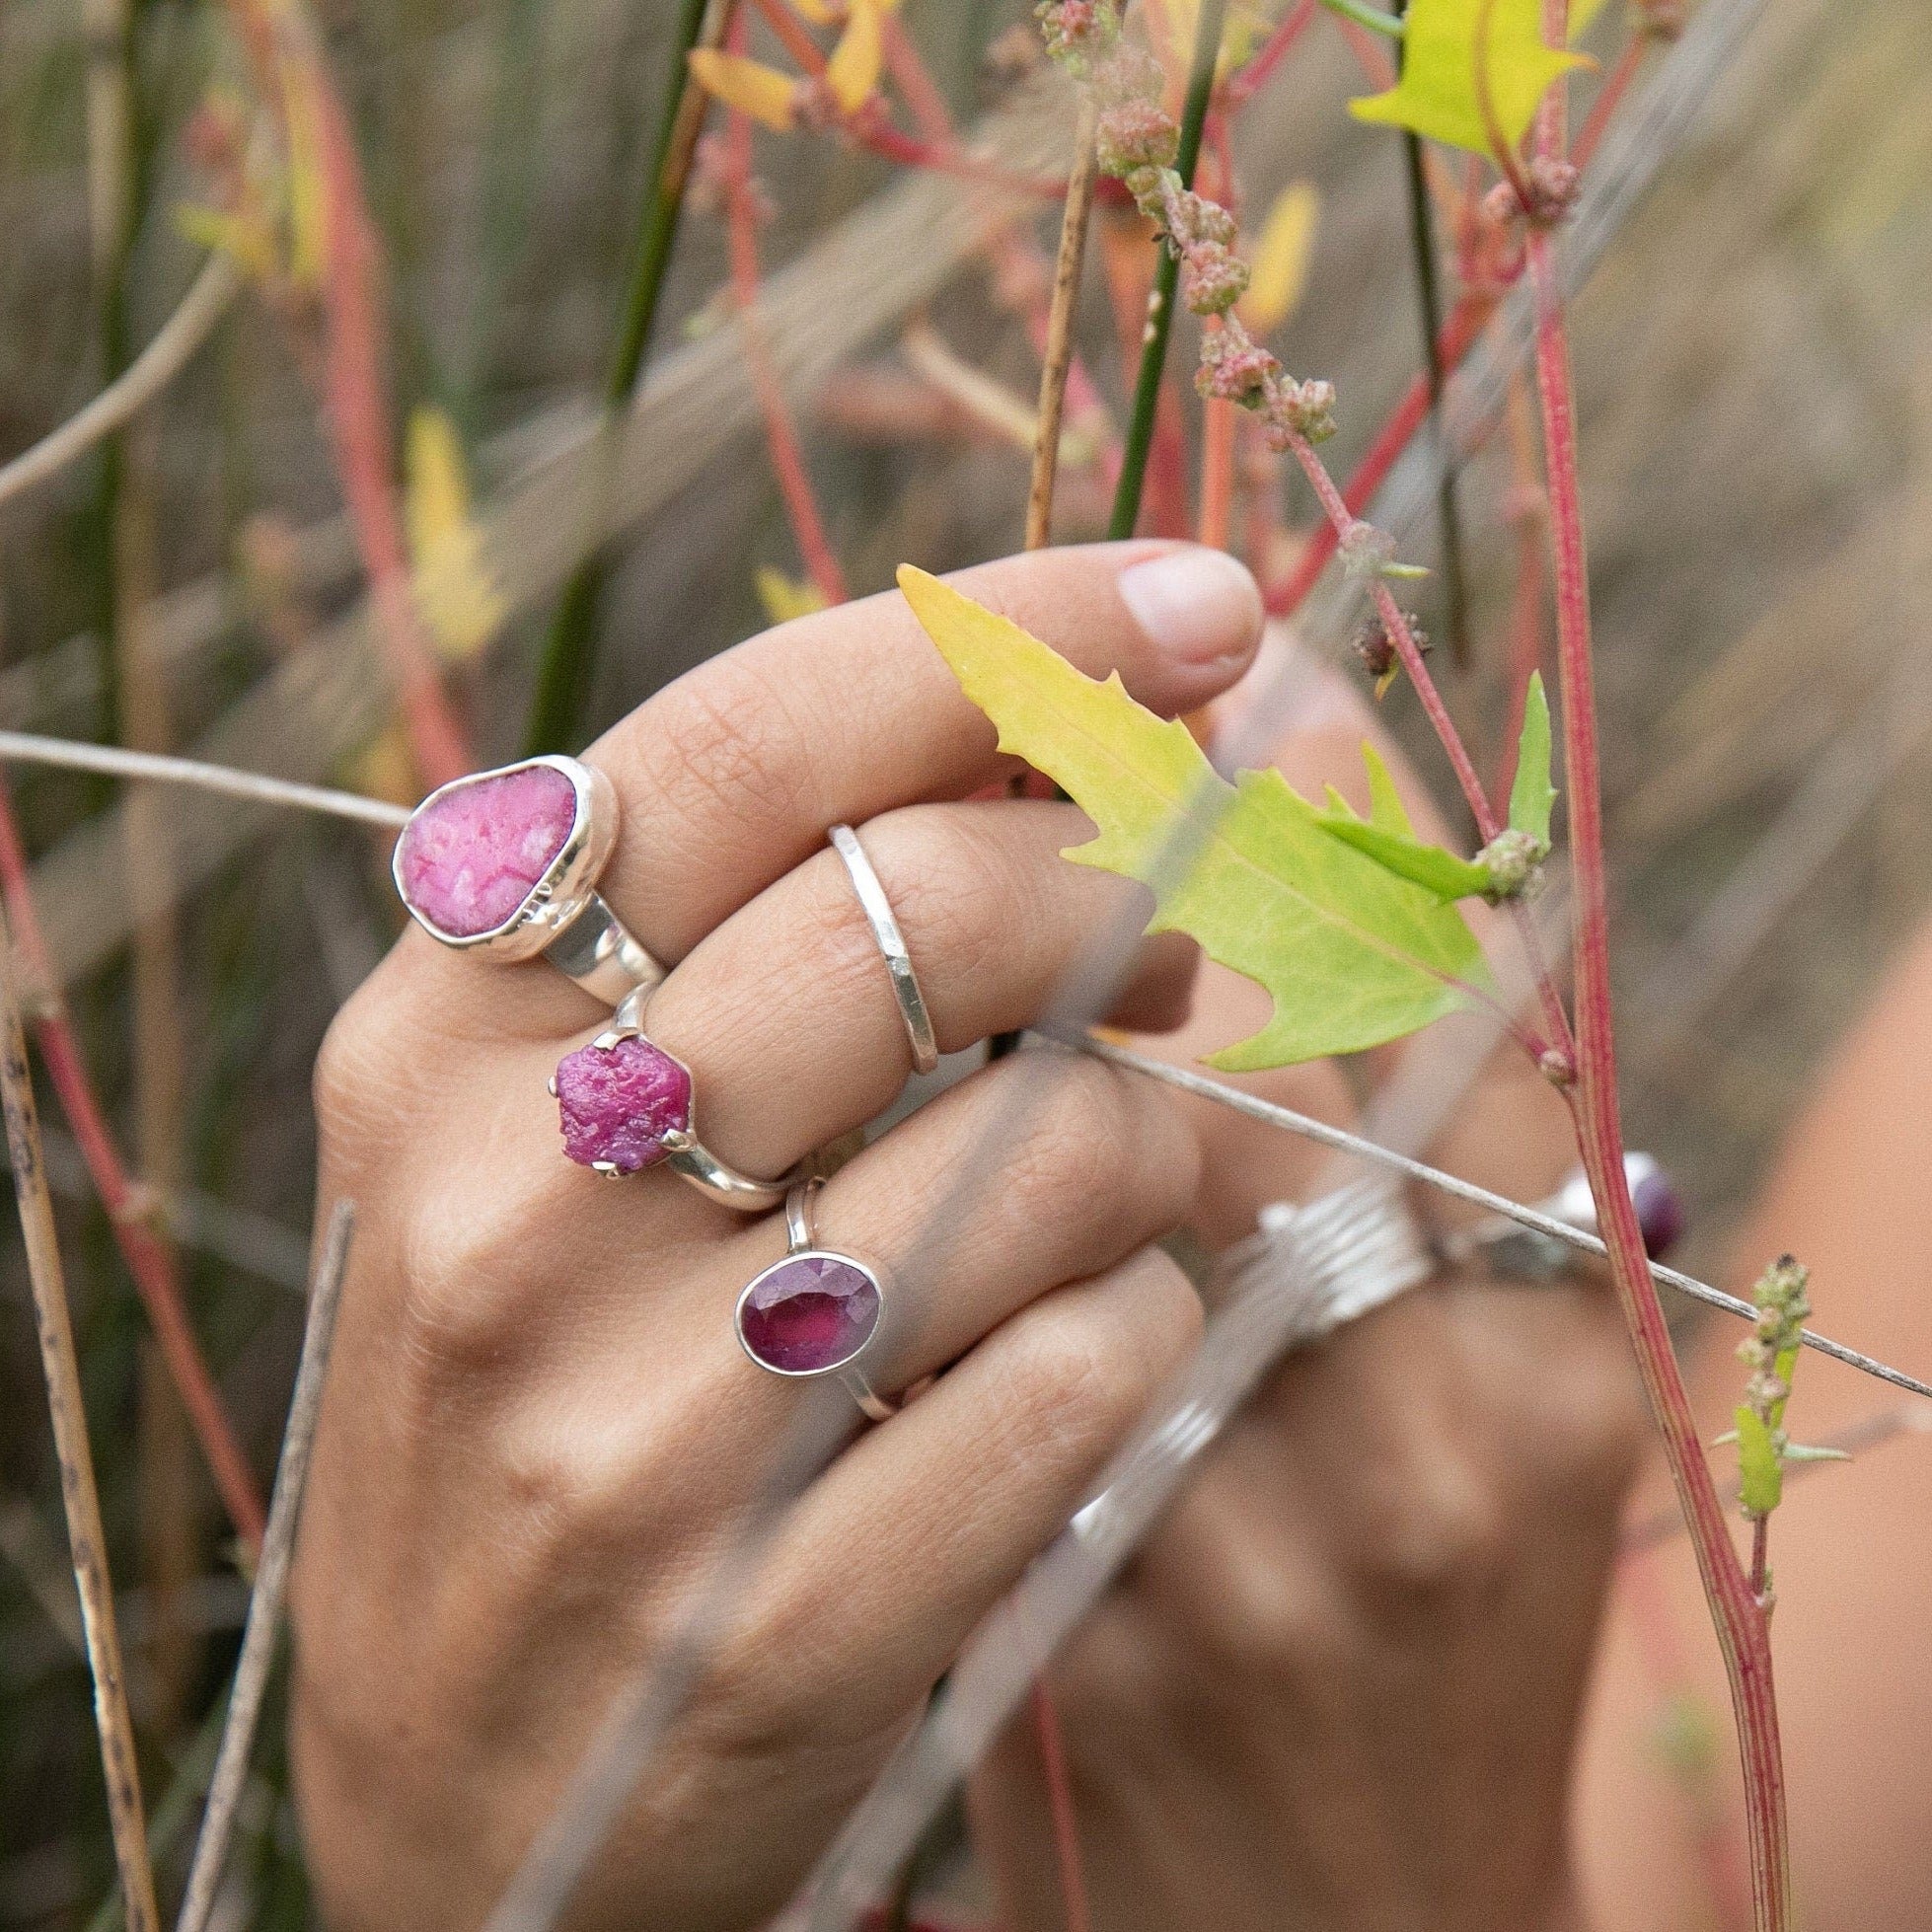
(1198,606)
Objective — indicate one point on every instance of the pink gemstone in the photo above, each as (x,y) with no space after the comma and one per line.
(809,1313)
(470,860)
(616,1103)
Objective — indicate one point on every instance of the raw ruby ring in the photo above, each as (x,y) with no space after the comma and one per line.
(508,861)
(624,1104)
(816,1311)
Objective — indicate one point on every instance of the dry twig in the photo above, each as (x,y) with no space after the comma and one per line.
(77,1489)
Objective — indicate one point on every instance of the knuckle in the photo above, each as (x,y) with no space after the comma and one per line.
(721,742)
(1437,1537)
(1099,1153)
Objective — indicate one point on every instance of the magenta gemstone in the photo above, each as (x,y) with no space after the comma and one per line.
(470,858)
(809,1313)
(616,1103)
(1660,1214)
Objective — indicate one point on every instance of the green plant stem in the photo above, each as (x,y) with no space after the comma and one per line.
(570,651)
(1372,18)
(1166,280)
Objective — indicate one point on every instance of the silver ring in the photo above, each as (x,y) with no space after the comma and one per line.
(624,1104)
(508,860)
(892,943)
(816,1311)
(1513,1252)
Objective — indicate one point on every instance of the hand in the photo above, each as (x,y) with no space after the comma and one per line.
(540,1428)
(1340,1686)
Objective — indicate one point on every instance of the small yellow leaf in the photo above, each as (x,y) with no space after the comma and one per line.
(384,769)
(454,592)
(835,13)
(786,598)
(853,70)
(765,95)
(308,189)
(238,236)
(1439,97)
(1281,259)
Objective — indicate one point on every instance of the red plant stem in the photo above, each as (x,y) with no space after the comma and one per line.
(150,1260)
(1760,1561)
(1464,323)
(791,30)
(1744,1635)
(788,459)
(1245,85)
(1397,624)
(1060,1800)
(1608,95)
(871,129)
(1528,513)
(1216,473)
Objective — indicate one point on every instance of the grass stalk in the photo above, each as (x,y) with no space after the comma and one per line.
(1166,280)
(78,1495)
(570,659)
(1056,359)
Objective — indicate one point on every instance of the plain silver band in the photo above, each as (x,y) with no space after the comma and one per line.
(600,952)
(692,1160)
(892,943)
(799,1236)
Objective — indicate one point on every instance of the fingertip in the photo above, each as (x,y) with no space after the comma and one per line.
(1200,610)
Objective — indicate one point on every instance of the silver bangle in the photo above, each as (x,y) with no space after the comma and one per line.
(892,946)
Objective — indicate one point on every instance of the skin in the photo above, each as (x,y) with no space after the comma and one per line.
(541,1431)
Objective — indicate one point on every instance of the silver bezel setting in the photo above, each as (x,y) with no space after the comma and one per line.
(569,883)
(845,1364)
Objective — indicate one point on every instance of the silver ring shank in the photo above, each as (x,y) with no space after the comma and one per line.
(598,950)
(892,944)
(688,1156)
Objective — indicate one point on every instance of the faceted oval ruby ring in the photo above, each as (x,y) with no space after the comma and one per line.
(816,1311)
(624,1104)
(508,861)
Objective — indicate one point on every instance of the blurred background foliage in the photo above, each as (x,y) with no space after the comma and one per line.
(1754,382)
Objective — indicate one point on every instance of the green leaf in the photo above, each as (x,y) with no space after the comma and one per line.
(1814,1452)
(1352,955)
(1532,795)
(1437,94)
(1760,1470)
(1388,839)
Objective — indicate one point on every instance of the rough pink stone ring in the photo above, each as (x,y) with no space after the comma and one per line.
(816,1311)
(508,861)
(624,1104)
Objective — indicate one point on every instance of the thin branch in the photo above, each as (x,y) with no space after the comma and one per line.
(1058,357)
(78,1495)
(1343,1142)
(72,754)
(164,358)
(1166,279)
(258,1639)
(149,1259)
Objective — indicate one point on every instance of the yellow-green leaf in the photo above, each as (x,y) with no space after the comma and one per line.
(1387,838)
(1438,95)
(1532,794)
(1352,955)
(1279,264)
(762,92)
(454,588)
(240,236)
(853,69)
(786,598)
(1760,1470)
(308,188)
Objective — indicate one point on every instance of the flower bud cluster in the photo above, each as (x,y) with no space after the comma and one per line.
(1513,861)
(1138,142)
(1783,1309)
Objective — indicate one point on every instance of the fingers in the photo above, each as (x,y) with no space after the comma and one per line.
(927,1521)
(786,1014)
(734,774)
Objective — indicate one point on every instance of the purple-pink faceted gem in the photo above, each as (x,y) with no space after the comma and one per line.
(469,860)
(809,1313)
(1660,1214)
(618,1102)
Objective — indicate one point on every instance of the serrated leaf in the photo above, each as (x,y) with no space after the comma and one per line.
(1532,794)
(1438,95)
(764,93)
(852,72)
(1760,1471)
(1279,268)
(1352,955)
(1387,838)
